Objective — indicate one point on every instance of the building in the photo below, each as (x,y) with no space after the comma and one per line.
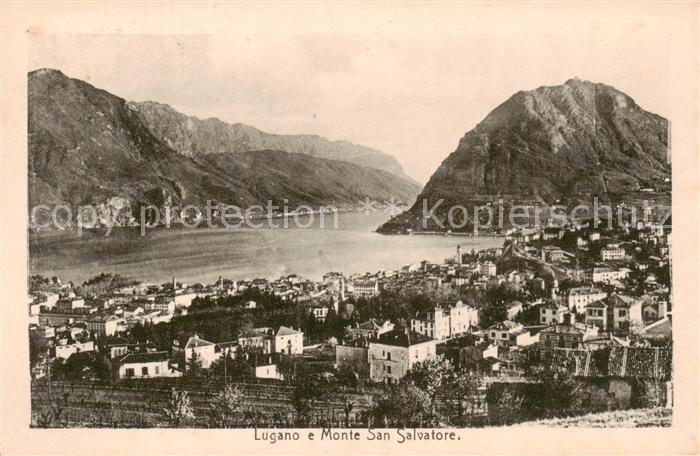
(146,365)
(365,288)
(597,315)
(70,304)
(66,350)
(393,354)
(504,331)
(606,275)
(269,371)
(371,329)
(443,324)
(488,269)
(354,357)
(257,339)
(580,297)
(319,311)
(203,351)
(120,349)
(103,325)
(435,325)
(624,312)
(551,314)
(289,341)
(184,300)
(612,253)
(553,254)
(566,335)
(514,308)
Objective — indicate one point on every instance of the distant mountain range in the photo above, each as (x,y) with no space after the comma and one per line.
(196,137)
(87,146)
(563,144)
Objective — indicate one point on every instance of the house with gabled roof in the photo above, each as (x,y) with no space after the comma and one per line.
(289,341)
(204,351)
(372,328)
(393,354)
(147,365)
(597,314)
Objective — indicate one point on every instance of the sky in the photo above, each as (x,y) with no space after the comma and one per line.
(411,96)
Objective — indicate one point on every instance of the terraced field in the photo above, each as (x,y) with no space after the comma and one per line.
(142,405)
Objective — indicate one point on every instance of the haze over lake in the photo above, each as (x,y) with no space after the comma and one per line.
(204,254)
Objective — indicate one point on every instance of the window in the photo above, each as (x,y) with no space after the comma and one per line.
(157,370)
(144,370)
(388,369)
(388,356)
(129,372)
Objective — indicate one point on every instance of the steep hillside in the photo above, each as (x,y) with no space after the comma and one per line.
(554,144)
(192,136)
(87,146)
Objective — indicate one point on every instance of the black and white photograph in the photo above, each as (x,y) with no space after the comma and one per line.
(403,234)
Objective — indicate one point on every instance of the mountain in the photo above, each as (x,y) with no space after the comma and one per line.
(561,144)
(89,147)
(193,137)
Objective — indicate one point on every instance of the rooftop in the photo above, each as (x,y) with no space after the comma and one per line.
(402,338)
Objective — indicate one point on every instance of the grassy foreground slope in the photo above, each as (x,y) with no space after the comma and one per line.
(652,417)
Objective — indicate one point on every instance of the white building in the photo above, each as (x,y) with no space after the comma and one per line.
(289,341)
(612,253)
(146,365)
(606,275)
(443,324)
(103,326)
(504,331)
(365,288)
(268,371)
(552,314)
(488,269)
(204,351)
(580,297)
(64,351)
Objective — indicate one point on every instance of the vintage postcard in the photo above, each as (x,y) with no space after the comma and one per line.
(349,228)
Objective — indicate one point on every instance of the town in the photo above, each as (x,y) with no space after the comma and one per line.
(559,321)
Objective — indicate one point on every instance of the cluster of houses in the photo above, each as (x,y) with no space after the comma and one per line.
(135,362)
(601,310)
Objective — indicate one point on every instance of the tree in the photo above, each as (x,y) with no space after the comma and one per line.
(342,389)
(226,404)
(460,392)
(404,405)
(306,391)
(529,316)
(84,365)
(194,366)
(508,406)
(234,366)
(179,408)
(430,376)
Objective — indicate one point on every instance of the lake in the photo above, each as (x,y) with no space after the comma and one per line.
(204,254)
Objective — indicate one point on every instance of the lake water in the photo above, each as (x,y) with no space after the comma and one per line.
(203,254)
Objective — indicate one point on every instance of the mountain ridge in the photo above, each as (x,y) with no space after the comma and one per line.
(570,142)
(90,147)
(193,136)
